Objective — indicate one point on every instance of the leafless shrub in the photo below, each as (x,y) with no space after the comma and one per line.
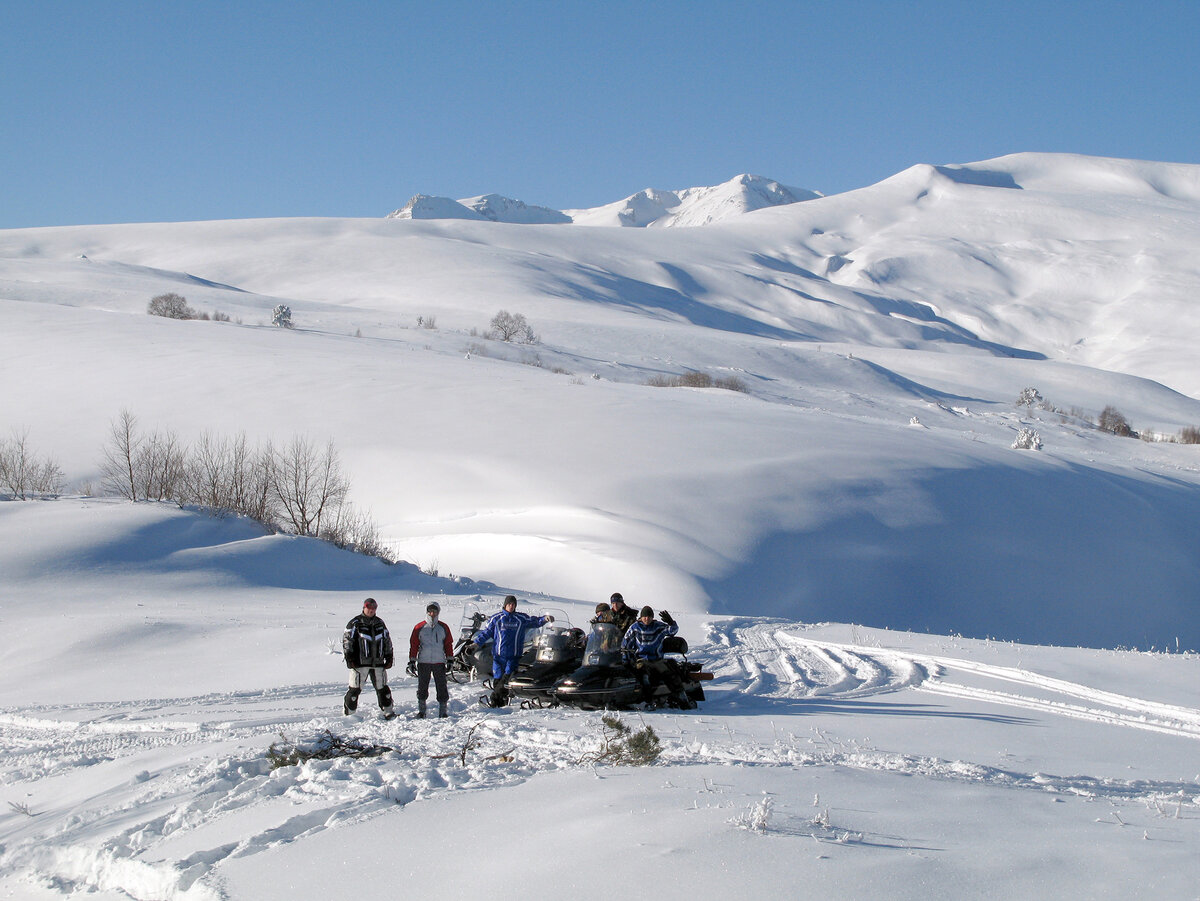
(308,484)
(170,306)
(23,474)
(1112,420)
(511,327)
(1189,434)
(117,467)
(697,380)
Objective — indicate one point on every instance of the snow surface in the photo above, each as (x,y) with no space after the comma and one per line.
(866,476)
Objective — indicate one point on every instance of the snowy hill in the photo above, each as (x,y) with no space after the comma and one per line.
(693,206)
(935,295)
(945,666)
(856,762)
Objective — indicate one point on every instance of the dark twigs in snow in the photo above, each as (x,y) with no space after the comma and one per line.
(326,746)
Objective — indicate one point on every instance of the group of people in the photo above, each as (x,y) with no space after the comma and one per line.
(644,637)
(369,654)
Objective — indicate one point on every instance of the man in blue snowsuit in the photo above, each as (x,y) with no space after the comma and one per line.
(506,630)
(645,638)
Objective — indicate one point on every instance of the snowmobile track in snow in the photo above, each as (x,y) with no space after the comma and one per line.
(773,660)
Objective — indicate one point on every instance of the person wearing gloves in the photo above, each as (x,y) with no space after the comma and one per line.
(429,648)
(367,650)
(645,638)
(506,630)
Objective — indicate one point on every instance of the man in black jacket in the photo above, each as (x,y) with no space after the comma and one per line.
(623,616)
(367,649)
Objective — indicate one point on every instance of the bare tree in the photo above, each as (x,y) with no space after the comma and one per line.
(171,306)
(1113,420)
(119,466)
(23,474)
(308,484)
(512,327)
(159,466)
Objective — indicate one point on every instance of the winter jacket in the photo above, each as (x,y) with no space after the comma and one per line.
(367,642)
(507,633)
(626,618)
(430,644)
(647,640)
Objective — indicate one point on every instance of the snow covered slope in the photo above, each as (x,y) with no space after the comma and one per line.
(883,337)
(853,762)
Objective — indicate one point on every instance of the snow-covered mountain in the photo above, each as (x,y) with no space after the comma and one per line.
(692,206)
(935,295)
(953,634)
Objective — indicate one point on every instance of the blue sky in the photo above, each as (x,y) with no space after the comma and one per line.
(154,111)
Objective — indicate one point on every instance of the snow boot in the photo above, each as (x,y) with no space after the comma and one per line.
(420,710)
(443,711)
(350,702)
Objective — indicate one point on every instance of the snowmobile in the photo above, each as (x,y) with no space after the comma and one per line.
(609,678)
(558,650)
(471,663)
(465,665)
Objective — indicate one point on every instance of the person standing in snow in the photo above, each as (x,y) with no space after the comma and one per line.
(622,614)
(367,650)
(429,649)
(506,630)
(645,638)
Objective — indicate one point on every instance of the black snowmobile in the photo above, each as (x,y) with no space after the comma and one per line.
(558,651)
(465,665)
(609,678)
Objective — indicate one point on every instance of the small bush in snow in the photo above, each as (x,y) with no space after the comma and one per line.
(1028,439)
(281,316)
(1113,420)
(1030,397)
(1189,434)
(511,327)
(757,818)
(697,380)
(621,746)
(170,306)
(23,474)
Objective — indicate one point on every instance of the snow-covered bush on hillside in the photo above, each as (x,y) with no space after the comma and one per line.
(23,474)
(281,316)
(1030,397)
(170,306)
(1027,439)
(511,327)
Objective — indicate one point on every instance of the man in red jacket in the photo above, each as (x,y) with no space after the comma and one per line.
(429,648)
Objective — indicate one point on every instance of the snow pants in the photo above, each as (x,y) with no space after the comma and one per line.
(438,672)
(358,677)
(502,670)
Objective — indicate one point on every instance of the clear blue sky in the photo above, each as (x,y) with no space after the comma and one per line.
(116,111)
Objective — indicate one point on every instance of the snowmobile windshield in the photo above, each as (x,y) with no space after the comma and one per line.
(553,644)
(603,645)
(473,619)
